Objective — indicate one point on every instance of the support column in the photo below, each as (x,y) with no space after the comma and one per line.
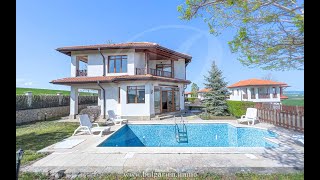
(249,93)
(102,95)
(270,92)
(99,97)
(256,91)
(73,102)
(74,66)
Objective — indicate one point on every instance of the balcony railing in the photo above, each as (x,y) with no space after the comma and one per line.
(275,95)
(264,96)
(245,96)
(155,72)
(82,72)
(253,96)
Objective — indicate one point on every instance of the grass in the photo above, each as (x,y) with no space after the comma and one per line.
(293,102)
(211,117)
(47,91)
(238,176)
(36,136)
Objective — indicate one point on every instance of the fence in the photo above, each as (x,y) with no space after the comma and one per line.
(24,102)
(290,117)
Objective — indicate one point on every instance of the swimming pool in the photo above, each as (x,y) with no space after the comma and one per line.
(190,135)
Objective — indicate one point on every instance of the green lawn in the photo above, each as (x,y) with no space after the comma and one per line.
(46,91)
(33,137)
(293,102)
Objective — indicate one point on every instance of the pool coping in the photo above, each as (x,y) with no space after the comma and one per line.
(92,145)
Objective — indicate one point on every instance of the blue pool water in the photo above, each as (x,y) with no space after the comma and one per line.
(194,135)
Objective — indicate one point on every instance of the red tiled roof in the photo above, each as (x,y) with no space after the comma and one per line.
(256,82)
(204,90)
(187,92)
(128,45)
(283,97)
(85,79)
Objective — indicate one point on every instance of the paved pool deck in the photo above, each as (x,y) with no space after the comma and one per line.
(87,158)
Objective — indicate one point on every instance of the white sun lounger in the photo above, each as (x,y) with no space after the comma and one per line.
(115,118)
(251,116)
(87,126)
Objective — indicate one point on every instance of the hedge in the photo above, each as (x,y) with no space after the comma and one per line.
(239,108)
(46,101)
(191,99)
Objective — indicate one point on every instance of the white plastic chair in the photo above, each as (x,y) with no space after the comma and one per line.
(251,116)
(87,126)
(116,119)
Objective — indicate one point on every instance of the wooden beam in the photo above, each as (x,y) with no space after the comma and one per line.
(172,68)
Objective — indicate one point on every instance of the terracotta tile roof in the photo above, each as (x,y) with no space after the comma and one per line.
(283,97)
(128,45)
(85,79)
(187,92)
(204,90)
(256,82)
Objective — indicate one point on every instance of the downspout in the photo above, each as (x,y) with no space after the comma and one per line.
(104,100)
(104,63)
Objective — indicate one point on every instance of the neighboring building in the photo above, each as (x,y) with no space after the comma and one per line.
(136,80)
(257,90)
(187,94)
(201,93)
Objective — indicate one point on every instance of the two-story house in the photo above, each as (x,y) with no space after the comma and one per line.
(136,80)
(257,90)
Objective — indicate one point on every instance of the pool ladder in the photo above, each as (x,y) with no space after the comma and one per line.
(181,133)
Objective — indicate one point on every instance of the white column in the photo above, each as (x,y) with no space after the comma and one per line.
(99,97)
(249,93)
(278,93)
(73,102)
(181,88)
(256,91)
(270,92)
(102,95)
(74,66)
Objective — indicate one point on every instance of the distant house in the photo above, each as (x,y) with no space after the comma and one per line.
(257,90)
(201,93)
(187,94)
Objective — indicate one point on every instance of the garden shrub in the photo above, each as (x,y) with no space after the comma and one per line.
(239,108)
(192,99)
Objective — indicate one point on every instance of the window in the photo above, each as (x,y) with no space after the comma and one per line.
(119,95)
(117,64)
(237,92)
(136,94)
(274,90)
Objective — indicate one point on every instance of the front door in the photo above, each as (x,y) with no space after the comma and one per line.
(164,101)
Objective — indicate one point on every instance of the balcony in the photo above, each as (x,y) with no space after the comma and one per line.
(82,72)
(275,95)
(264,96)
(253,96)
(154,72)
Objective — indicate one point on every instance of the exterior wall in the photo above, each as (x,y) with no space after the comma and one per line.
(135,109)
(179,69)
(236,97)
(135,60)
(95,61)
(95,64)
(139,60)
(30,115)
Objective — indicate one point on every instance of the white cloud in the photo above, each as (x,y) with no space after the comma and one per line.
(21,82)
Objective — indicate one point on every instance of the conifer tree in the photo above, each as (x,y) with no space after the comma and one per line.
(215,99)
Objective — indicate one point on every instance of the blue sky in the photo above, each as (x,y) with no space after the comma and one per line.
(43,26)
